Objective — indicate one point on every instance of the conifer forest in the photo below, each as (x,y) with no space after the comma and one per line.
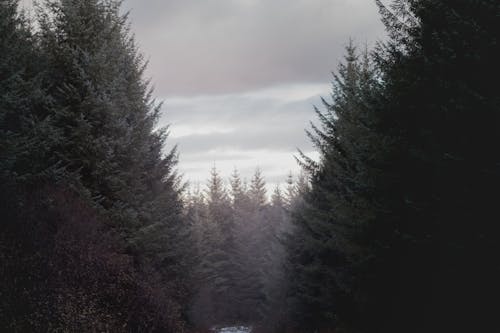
(388,228)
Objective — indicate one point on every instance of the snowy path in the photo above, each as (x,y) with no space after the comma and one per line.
(240,329)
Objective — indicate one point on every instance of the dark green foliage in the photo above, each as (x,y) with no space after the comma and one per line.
(321,249)
(108,117)
(394,226)
(101,246)
(25,132)
(105,109)
(240,275)
(440,111)
(397,232)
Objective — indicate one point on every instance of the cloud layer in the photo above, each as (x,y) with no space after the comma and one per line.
(220,46)
(247,130)
(240,77)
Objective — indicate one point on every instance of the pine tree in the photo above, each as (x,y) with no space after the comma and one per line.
(238,193)
(105,109)
(290,191)
(277,199)
(401,200)
(321,249)
(108,144)
(24,149)
(218,257)
(438,116)
(257,190)
(26,135)
(243,280)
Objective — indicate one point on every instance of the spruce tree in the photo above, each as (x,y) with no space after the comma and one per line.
(401,200)
(108,144)
(24,146)
(257,191)
(438,115)
(26,134)
(277,199)
(105,108)
(218,257)
(321,249)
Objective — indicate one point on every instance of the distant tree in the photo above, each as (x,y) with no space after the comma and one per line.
(290,193)
(214,303)
(277,199)
(257,191)
(295,190)
(239,193)
(241,255)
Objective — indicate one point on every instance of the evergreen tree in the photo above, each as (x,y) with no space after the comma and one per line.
(106,112)
(401,200)
(277,199)
(241,256)
(295,190)
(26,135)
(257,192)
(238,193)
(438,174)
(217,262)
(321,249)
(25,138)
(88,137)
(290,191)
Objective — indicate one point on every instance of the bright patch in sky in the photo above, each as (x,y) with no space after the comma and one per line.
(262,128)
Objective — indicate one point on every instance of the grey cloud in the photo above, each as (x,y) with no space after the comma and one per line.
(236,110)
(220,46)
(212,156)
(240,122)
(216,46)
(277,139)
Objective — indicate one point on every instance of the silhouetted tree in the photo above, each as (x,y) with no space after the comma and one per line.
(394,235)
(90,135)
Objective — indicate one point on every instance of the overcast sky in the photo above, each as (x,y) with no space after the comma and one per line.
(239,78)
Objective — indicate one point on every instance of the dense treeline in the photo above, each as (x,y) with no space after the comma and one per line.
(397,233)
(239,239)
(91,207)
(392,229)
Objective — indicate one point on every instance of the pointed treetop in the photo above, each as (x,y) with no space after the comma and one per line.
(277,197)
(236,184)
(216,191)
(258,189)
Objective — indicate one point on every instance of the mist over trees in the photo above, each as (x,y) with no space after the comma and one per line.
(391,230)
(239,236)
